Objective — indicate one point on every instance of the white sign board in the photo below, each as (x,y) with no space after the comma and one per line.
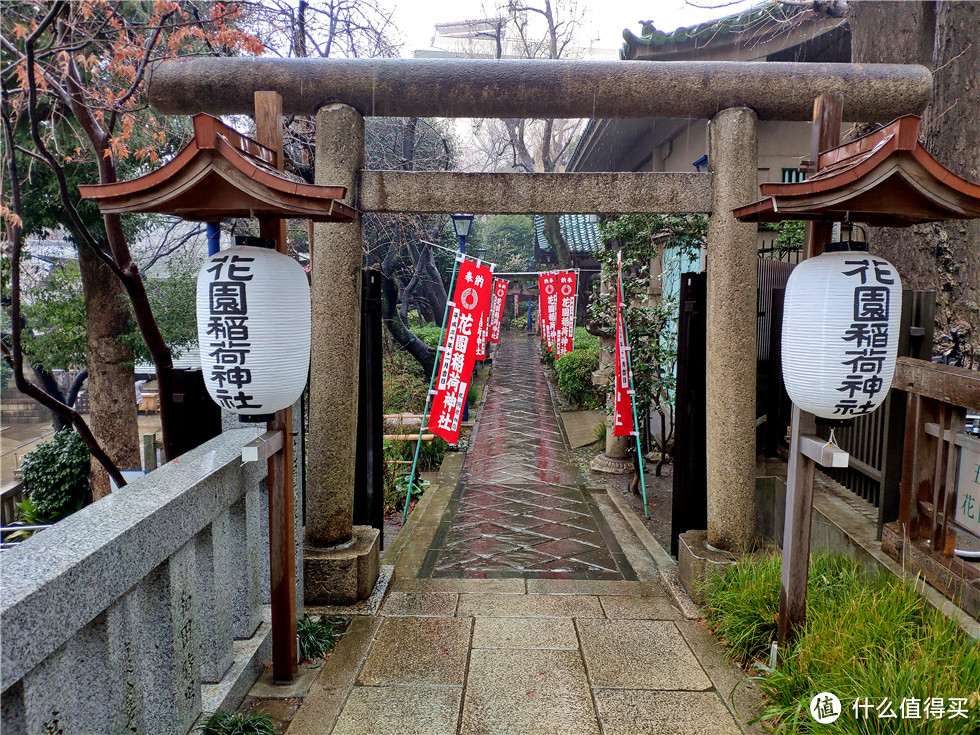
(968,485)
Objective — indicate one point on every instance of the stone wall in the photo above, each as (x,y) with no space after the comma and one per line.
(140,610)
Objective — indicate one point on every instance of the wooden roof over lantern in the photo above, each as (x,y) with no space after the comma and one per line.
(220,174)
(885,179)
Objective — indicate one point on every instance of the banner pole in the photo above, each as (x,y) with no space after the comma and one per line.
(578,283)
(636,424)
(436,367)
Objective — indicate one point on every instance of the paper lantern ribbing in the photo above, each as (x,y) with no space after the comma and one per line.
(841,320)
(253,326)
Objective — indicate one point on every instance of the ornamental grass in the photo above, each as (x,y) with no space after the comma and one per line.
(866,636)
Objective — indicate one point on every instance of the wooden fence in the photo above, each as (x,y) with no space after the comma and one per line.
(927,533)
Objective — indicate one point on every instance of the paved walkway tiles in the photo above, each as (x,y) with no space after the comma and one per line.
(520,509)
(514,609)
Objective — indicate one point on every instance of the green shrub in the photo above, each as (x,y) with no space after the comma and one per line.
(865,636)
(431,453)
(26,515)
(55,475)
(223,722)
(405,384)
(584,340)
(573,374)
(397,493)
(547,356)
(429,334)
(318,636)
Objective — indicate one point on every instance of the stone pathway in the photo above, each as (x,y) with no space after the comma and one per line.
(523,604)
(521,510)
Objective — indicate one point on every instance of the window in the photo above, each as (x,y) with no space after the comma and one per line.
(793,175)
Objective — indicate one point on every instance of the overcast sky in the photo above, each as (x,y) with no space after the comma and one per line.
(605,19)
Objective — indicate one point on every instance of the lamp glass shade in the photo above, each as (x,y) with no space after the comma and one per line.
(253,327)
(841,320)
(461,223)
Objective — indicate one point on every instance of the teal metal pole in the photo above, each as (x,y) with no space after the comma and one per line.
(636,424)
(437,367)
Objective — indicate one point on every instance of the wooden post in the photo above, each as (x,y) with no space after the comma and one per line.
(282,546)
(827,111)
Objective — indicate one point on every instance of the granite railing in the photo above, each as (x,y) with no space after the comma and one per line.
(140,610)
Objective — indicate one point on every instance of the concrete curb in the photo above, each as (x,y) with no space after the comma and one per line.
(666,565)
(328,693)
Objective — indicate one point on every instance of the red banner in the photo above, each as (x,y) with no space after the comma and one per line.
(482,281)
(481,335)
(565,325)
(548,306)
(471,298)
(623,423)
(497,304)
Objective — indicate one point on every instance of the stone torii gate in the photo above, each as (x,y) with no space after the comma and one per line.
(734,96)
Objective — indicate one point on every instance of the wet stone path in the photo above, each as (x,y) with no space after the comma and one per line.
(520,509)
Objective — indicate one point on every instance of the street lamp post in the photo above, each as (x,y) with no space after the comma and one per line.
(462,223)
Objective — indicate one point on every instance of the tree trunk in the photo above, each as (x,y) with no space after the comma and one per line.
(423,354)
(110,364)
(952,133)
(940,256)
(552,231)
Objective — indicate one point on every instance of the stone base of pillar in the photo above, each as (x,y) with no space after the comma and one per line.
(611,465)
(697,562)
(342,575)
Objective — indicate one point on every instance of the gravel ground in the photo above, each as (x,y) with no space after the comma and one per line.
(659,491)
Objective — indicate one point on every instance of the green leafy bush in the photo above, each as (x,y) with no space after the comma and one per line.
(405,384)
(397,493)
(55,475)
(574,377)
(223,722)
(547,356)
(584,340)
(26,515)
(573,372)
(865,636)
(318,636)
(431,453)
(429,334)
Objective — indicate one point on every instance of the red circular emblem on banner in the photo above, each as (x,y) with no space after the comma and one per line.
(566,290)
(469,299)
(549,289)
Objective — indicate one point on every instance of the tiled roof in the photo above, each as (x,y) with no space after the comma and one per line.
(755,19)
(581,235)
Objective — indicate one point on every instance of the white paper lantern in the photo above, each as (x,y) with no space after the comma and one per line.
(841,322)
(253,326)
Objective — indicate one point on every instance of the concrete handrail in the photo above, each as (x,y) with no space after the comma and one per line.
(158,560)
